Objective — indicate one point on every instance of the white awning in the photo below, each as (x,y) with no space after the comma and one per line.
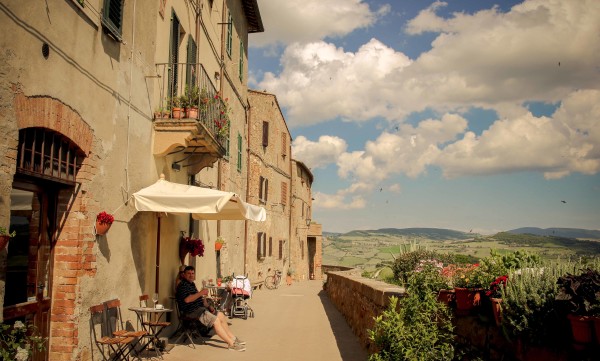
(202,203)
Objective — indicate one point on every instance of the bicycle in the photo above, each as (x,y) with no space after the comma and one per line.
(273,281)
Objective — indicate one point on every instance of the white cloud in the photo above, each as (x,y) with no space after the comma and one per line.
(338,201)
(292,21)
(318,154)
(320,82)
(488,59)
(408,151)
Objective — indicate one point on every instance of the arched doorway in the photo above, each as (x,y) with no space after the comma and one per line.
(47,164)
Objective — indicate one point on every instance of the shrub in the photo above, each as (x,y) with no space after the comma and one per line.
(416,327)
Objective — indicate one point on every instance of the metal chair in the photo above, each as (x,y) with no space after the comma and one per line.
(190,328)
(117,346)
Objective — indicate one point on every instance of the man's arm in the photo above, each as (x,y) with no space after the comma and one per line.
(194,296)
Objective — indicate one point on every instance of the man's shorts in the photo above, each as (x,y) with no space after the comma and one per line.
(206,318)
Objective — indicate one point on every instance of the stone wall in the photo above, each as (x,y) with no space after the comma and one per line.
(359,300)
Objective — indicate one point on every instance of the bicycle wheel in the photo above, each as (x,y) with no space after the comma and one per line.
(277,281)
(270,282)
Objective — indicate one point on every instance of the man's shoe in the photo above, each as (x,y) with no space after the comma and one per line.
(239,341)
(237,347)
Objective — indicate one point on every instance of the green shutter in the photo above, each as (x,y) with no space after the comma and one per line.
(229,33)
(239,160)
(112,17)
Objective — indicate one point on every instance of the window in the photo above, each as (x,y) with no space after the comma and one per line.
(191,69)
(261,245)
(239,154)
(263,189)
(270,246)
(265,137)
(241,62)
(112,17)
(229,33)
(280,249)
(283,144)
(283,193)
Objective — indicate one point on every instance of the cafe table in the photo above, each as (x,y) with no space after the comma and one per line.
(213,293)
(151,320)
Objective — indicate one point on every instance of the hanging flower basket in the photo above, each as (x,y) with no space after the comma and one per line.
(193,246)
(219,244)
(103,223)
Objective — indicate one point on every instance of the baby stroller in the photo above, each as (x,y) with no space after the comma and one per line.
(241,291)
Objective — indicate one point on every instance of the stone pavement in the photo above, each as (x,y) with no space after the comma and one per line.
(292,323)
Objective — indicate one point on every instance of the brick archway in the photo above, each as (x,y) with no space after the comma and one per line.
(73,255)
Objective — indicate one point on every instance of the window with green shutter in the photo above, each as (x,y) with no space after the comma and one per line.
(239,154)
(229,33)
(241,67)
(112,18)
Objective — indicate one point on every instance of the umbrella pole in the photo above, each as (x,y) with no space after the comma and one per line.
(157,255)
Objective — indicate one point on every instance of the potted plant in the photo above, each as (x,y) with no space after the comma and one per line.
(5,236)
(579,296)
(103,223)
(191,98)
(495,296)
(219,243)
(175,105)
(466,288)
(18,341)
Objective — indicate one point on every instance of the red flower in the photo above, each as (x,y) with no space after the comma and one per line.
(104,217)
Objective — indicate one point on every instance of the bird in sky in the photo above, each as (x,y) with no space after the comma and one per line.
(564,201)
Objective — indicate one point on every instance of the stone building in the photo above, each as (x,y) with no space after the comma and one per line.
(269,184)
(80,83)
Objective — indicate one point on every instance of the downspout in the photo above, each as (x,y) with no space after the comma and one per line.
(129,103)
(291,202)
(249,122)
(221,64)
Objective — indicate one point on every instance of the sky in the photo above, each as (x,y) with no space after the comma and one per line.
(473,115)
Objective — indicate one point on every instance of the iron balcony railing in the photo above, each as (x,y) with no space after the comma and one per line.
(186,91)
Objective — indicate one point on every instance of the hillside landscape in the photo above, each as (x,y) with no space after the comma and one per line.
(367,249)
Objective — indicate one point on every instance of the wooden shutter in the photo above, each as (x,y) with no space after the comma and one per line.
(283,193)
(265,135)
(283,144)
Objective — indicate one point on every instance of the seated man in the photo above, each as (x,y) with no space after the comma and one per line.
(192,304)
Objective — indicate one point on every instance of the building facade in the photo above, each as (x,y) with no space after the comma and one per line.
(80,87)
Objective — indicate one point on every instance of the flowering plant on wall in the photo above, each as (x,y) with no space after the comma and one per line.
(194,246)
(104,217)
(222,121)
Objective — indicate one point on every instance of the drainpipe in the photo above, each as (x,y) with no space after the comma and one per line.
(221,64)
(249,122)
(291,202)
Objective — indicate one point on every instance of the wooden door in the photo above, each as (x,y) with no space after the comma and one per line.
(29,269)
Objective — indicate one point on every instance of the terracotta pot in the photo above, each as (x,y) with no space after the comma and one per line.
(218,246)
(446,296)
(191,112)
(176,113)
(596,322)
(102,228)
(4,241)
(581,327)
(465,298)
(497,310)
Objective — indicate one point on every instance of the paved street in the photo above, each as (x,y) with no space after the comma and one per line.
(296,322)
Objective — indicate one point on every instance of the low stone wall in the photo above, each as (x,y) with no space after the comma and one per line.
(359,300)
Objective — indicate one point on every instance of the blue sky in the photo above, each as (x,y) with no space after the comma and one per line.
(470,115)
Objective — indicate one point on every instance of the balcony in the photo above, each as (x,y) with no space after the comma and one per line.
(191,119)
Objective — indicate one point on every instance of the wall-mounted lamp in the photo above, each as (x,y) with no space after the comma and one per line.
(308,220)
(217,76)
(176,166)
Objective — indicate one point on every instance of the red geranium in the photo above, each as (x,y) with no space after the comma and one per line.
(494,290)
(104,217)
(195,246)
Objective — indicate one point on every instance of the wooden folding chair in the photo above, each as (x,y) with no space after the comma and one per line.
(149,322)
(116,326)
(116,346)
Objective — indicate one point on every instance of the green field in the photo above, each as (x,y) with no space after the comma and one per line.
(366,249)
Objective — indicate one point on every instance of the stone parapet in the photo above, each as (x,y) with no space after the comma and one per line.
(360,300)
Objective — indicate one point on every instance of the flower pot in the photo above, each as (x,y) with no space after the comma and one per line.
(191,112)
(102,228)
(596,322)
(465,300)
(581,328)
(4,241)
(176,113)
(218,246)
(288,280)
(497,310)
(446,296)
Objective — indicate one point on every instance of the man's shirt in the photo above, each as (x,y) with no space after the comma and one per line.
(185,289)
